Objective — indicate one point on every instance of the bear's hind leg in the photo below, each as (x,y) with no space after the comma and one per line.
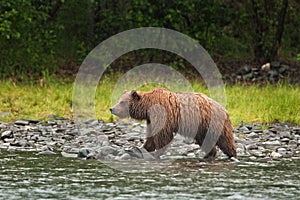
(227,145)
(208,155)
(212,154)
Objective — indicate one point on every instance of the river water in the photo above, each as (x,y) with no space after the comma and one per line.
(26,175)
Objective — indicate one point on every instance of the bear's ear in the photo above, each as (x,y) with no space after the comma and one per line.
(135,95)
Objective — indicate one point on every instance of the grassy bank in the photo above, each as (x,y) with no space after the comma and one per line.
(264,104)
(245,103)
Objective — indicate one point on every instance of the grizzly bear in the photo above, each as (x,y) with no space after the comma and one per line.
(192,115)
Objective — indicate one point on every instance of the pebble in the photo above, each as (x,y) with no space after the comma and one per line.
(251,147)
(22,122)
(293,144)
(285,134)
(285,140)
(46,152)
(243,129)
(94,139)
(107,150)
(8,140)
(271,144)
(281,150)
(268,72)
(69,155)
(253,135)
(125,156)
(6,134)
(275,155)
(83,153)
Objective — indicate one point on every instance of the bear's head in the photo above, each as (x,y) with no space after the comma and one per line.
(124,107)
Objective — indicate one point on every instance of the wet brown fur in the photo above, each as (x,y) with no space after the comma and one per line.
(188,114)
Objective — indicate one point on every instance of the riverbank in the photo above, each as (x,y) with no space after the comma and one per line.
(95,139)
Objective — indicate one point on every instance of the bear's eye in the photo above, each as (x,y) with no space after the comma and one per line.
(122,102)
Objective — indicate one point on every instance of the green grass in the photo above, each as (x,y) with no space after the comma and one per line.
(264,104)
(244,103)
(32,101)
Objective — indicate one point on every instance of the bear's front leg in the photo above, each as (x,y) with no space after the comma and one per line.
(157,142)
(149,144)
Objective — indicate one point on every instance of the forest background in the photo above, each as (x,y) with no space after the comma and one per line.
(43,43)
(40,38)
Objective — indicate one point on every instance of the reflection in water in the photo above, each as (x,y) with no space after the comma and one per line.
(30,176)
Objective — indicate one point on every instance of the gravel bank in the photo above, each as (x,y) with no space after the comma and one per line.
(95,139)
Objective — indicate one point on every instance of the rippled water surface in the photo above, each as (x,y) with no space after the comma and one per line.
(29,176)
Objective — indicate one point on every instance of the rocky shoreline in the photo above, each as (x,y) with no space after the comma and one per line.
(94,139)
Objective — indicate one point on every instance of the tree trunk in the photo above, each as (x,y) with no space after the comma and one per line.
(268,26)
(257,29)
(279,29)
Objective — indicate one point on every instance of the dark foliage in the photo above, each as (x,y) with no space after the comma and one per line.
(38,37)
